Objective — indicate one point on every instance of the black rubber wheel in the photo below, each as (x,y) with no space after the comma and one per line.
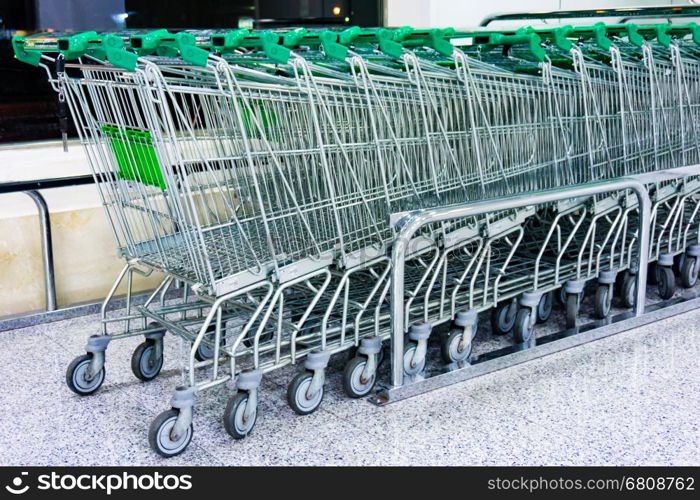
(522,331)
(298,397)
(603,301)
(503,317)
(689,273)
(354,384)
(205,350)
(619,281)
(667,282)
(235,422)
(544,308)
(561,297)
(678,264)
(628,294)
(76,380)
(143,365)
(572,306)
(653,273)
(160,439)
(452,347)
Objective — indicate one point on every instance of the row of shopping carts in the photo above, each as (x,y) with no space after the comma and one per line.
(258,171)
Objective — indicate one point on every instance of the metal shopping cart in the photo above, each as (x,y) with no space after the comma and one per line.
(259,171)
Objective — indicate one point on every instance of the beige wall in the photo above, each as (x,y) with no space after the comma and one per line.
(85,257)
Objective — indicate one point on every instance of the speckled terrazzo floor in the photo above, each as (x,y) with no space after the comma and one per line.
(629,399)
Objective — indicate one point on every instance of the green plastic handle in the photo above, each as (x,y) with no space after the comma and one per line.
(598,32)
(278,53)
(438,42)
(661,34)
(186,44)
(331,47)
(402,33)
(349,35)
(117,55)
(559,35)
(532,40)
(391,48)
(600,35)
(292,38)
(164,43)
(679,31)
(75,46)
(633,35)
(228,41)
(33,58)
(148,44)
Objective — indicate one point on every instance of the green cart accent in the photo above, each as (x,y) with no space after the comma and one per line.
(136,156)
(33,58)
(266,120)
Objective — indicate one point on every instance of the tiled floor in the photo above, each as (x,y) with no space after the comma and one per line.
(629,399)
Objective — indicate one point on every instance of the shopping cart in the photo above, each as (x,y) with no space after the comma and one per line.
(259,170)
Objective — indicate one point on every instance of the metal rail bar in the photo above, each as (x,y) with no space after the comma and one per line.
(46,248)
(58,182)
(625,12)
(408,223)
(555,342)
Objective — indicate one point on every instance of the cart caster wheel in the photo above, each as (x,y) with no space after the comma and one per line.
(603,301)
(653,274)
(667,282)
(142,363)
(522,330)
(205,351)
(453,348)
(235,421)
(76,376)
(544,308)
(411,367)
(689,273)
(503,317)
(355,385)
(678,264)
(573,302)
(160,435)
(629,290)
(298,395)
